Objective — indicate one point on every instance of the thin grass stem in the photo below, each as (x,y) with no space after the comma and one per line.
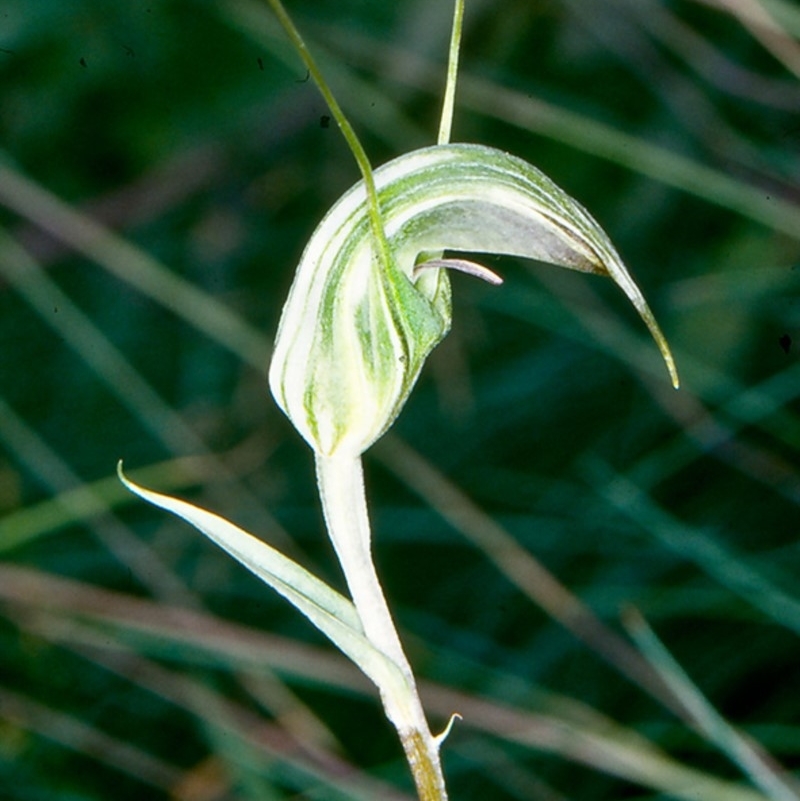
(446,122)
(747,755)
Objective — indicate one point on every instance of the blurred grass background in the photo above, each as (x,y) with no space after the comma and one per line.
(162,163)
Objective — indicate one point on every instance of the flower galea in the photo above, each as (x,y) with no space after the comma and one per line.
(355,333)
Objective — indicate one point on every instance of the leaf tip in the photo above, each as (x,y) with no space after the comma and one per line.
(126,482)
(661,341)
(666,354)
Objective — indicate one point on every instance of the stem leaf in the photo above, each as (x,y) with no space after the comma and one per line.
(332,613)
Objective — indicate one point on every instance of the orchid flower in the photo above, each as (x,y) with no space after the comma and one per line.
(370,300)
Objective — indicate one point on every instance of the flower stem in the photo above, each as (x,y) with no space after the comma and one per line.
(341,487)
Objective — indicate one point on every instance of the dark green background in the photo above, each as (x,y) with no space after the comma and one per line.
(189,128)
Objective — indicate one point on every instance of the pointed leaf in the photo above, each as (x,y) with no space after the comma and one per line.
(332,613)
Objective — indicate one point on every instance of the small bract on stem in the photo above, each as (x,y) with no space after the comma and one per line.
(369,302)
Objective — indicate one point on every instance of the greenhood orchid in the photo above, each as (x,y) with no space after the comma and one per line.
(370,300)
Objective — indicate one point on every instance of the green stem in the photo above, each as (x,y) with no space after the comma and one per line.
(373,205)
(446,122)
(341,488)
